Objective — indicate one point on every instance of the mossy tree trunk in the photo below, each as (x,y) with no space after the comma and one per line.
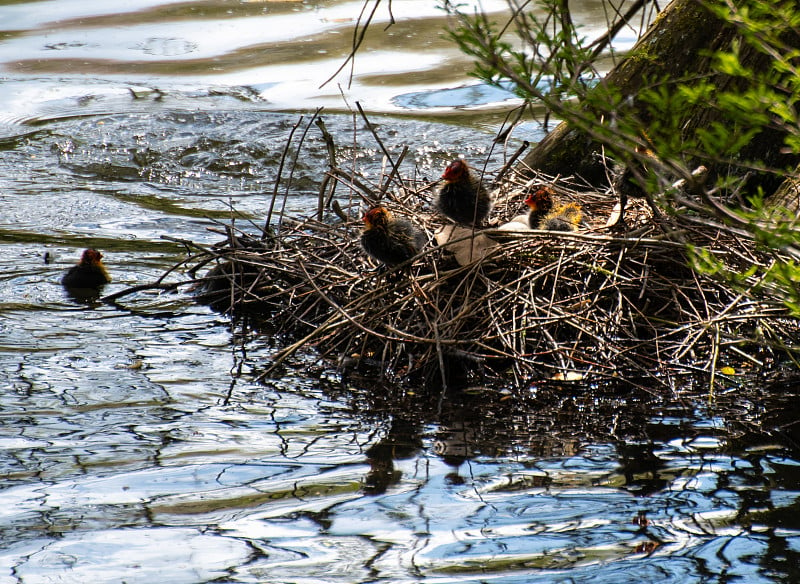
(679,45)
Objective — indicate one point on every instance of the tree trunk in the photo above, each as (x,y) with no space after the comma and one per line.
(677,46)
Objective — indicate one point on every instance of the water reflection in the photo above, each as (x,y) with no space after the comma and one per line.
(121,453)
(276,53)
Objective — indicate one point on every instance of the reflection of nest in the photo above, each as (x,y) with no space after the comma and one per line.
(560,305)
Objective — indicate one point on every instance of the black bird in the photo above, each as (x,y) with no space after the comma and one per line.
(463,197)
(88,273)
(540,204)
(545,214)
(389,240)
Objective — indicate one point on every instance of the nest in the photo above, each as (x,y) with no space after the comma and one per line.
(516,305)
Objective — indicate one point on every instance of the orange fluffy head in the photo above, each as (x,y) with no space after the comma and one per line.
(455,171)
(91,257)
(540,201)
(376,217)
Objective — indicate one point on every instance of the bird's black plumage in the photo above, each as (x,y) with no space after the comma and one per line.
(389,240)
(463,197)
(88,273)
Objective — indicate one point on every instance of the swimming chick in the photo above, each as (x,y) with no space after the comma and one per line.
(88,273)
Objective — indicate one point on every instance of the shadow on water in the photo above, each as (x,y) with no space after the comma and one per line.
(684,490)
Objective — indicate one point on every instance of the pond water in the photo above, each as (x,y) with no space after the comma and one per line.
(136,443)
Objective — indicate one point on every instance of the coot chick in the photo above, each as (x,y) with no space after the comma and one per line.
(540,204)
(389,240)
(463,198)
(564,218)
(88,273)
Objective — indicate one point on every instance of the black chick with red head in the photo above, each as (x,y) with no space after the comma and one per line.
(88,273)
(547,215)
(389,240)
(540,203)
(463,198)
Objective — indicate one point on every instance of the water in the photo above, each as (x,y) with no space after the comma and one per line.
(138,447)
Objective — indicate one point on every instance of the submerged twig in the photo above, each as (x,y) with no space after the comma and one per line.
(140,288)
